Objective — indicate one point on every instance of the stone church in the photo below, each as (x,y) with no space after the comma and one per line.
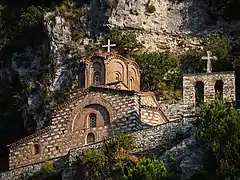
(108,102)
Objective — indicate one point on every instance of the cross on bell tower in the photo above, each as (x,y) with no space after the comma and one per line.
(209,57)
(109,45)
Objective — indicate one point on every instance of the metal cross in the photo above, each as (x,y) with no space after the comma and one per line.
(109,45)
(209,57)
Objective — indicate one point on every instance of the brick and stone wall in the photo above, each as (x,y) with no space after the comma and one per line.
(209,80)
(67,131)
(110,68)
(116,111)
(152,116)
(146,139)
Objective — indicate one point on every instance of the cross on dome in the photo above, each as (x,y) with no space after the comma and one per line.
(209,57)
(109,45)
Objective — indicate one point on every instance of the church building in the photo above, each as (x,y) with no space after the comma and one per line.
(107,103)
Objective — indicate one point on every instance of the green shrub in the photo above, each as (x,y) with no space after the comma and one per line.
(150,8)
(31,16)
(47,172)
(218,130)
(126,142)
(147,169)
(72,13)
(220,47)
(126,41)
(157,67)
(191,61)
(93,163)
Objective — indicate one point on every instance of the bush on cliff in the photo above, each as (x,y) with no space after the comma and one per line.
(146,169)
(158,68)
(219,132)
(116,161)
(47,172)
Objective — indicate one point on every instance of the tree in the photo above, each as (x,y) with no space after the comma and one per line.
(126,41)
(156,67)
(147,169)
(218,131)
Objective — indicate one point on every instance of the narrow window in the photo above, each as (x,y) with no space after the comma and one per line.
(117,77)
(92,120)
(36,149)
(90,138)
(131,84)
(96,78)
(218,90)
(199,93)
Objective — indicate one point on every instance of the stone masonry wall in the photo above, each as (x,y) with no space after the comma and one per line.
(146,139)
(209,80)
(57,139)
(173,109)
(150,138)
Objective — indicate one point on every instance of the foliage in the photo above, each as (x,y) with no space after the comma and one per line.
(150,8)
(147,169)
(115,161)
(72,13)
(31,16)
(47,172)
(235,53)
(125,142)
(218,130)
(157,67)
(126,41)
(93,162)
(220,47)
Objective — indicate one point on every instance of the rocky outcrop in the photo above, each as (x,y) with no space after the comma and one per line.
(167,28)
(60,37)
(184,159)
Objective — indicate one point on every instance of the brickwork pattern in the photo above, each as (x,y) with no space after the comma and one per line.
(117,111)
(111,68)
(152,117)
(148,99)
(209,80)
(146,139)
(60,137)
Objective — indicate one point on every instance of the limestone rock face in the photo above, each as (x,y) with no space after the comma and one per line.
(167,28)
(60,36)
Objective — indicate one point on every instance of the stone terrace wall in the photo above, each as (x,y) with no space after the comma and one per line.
(58,139)
(17,174)
(150,138)
(209,80)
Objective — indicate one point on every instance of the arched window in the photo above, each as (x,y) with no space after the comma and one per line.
(96,78)
(131,84)
(117,77)
(90,138)
(199,93)
(92,120)
(219,89)
(36,149)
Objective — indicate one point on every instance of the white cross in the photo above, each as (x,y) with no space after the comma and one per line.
(209,63)
(109,45)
